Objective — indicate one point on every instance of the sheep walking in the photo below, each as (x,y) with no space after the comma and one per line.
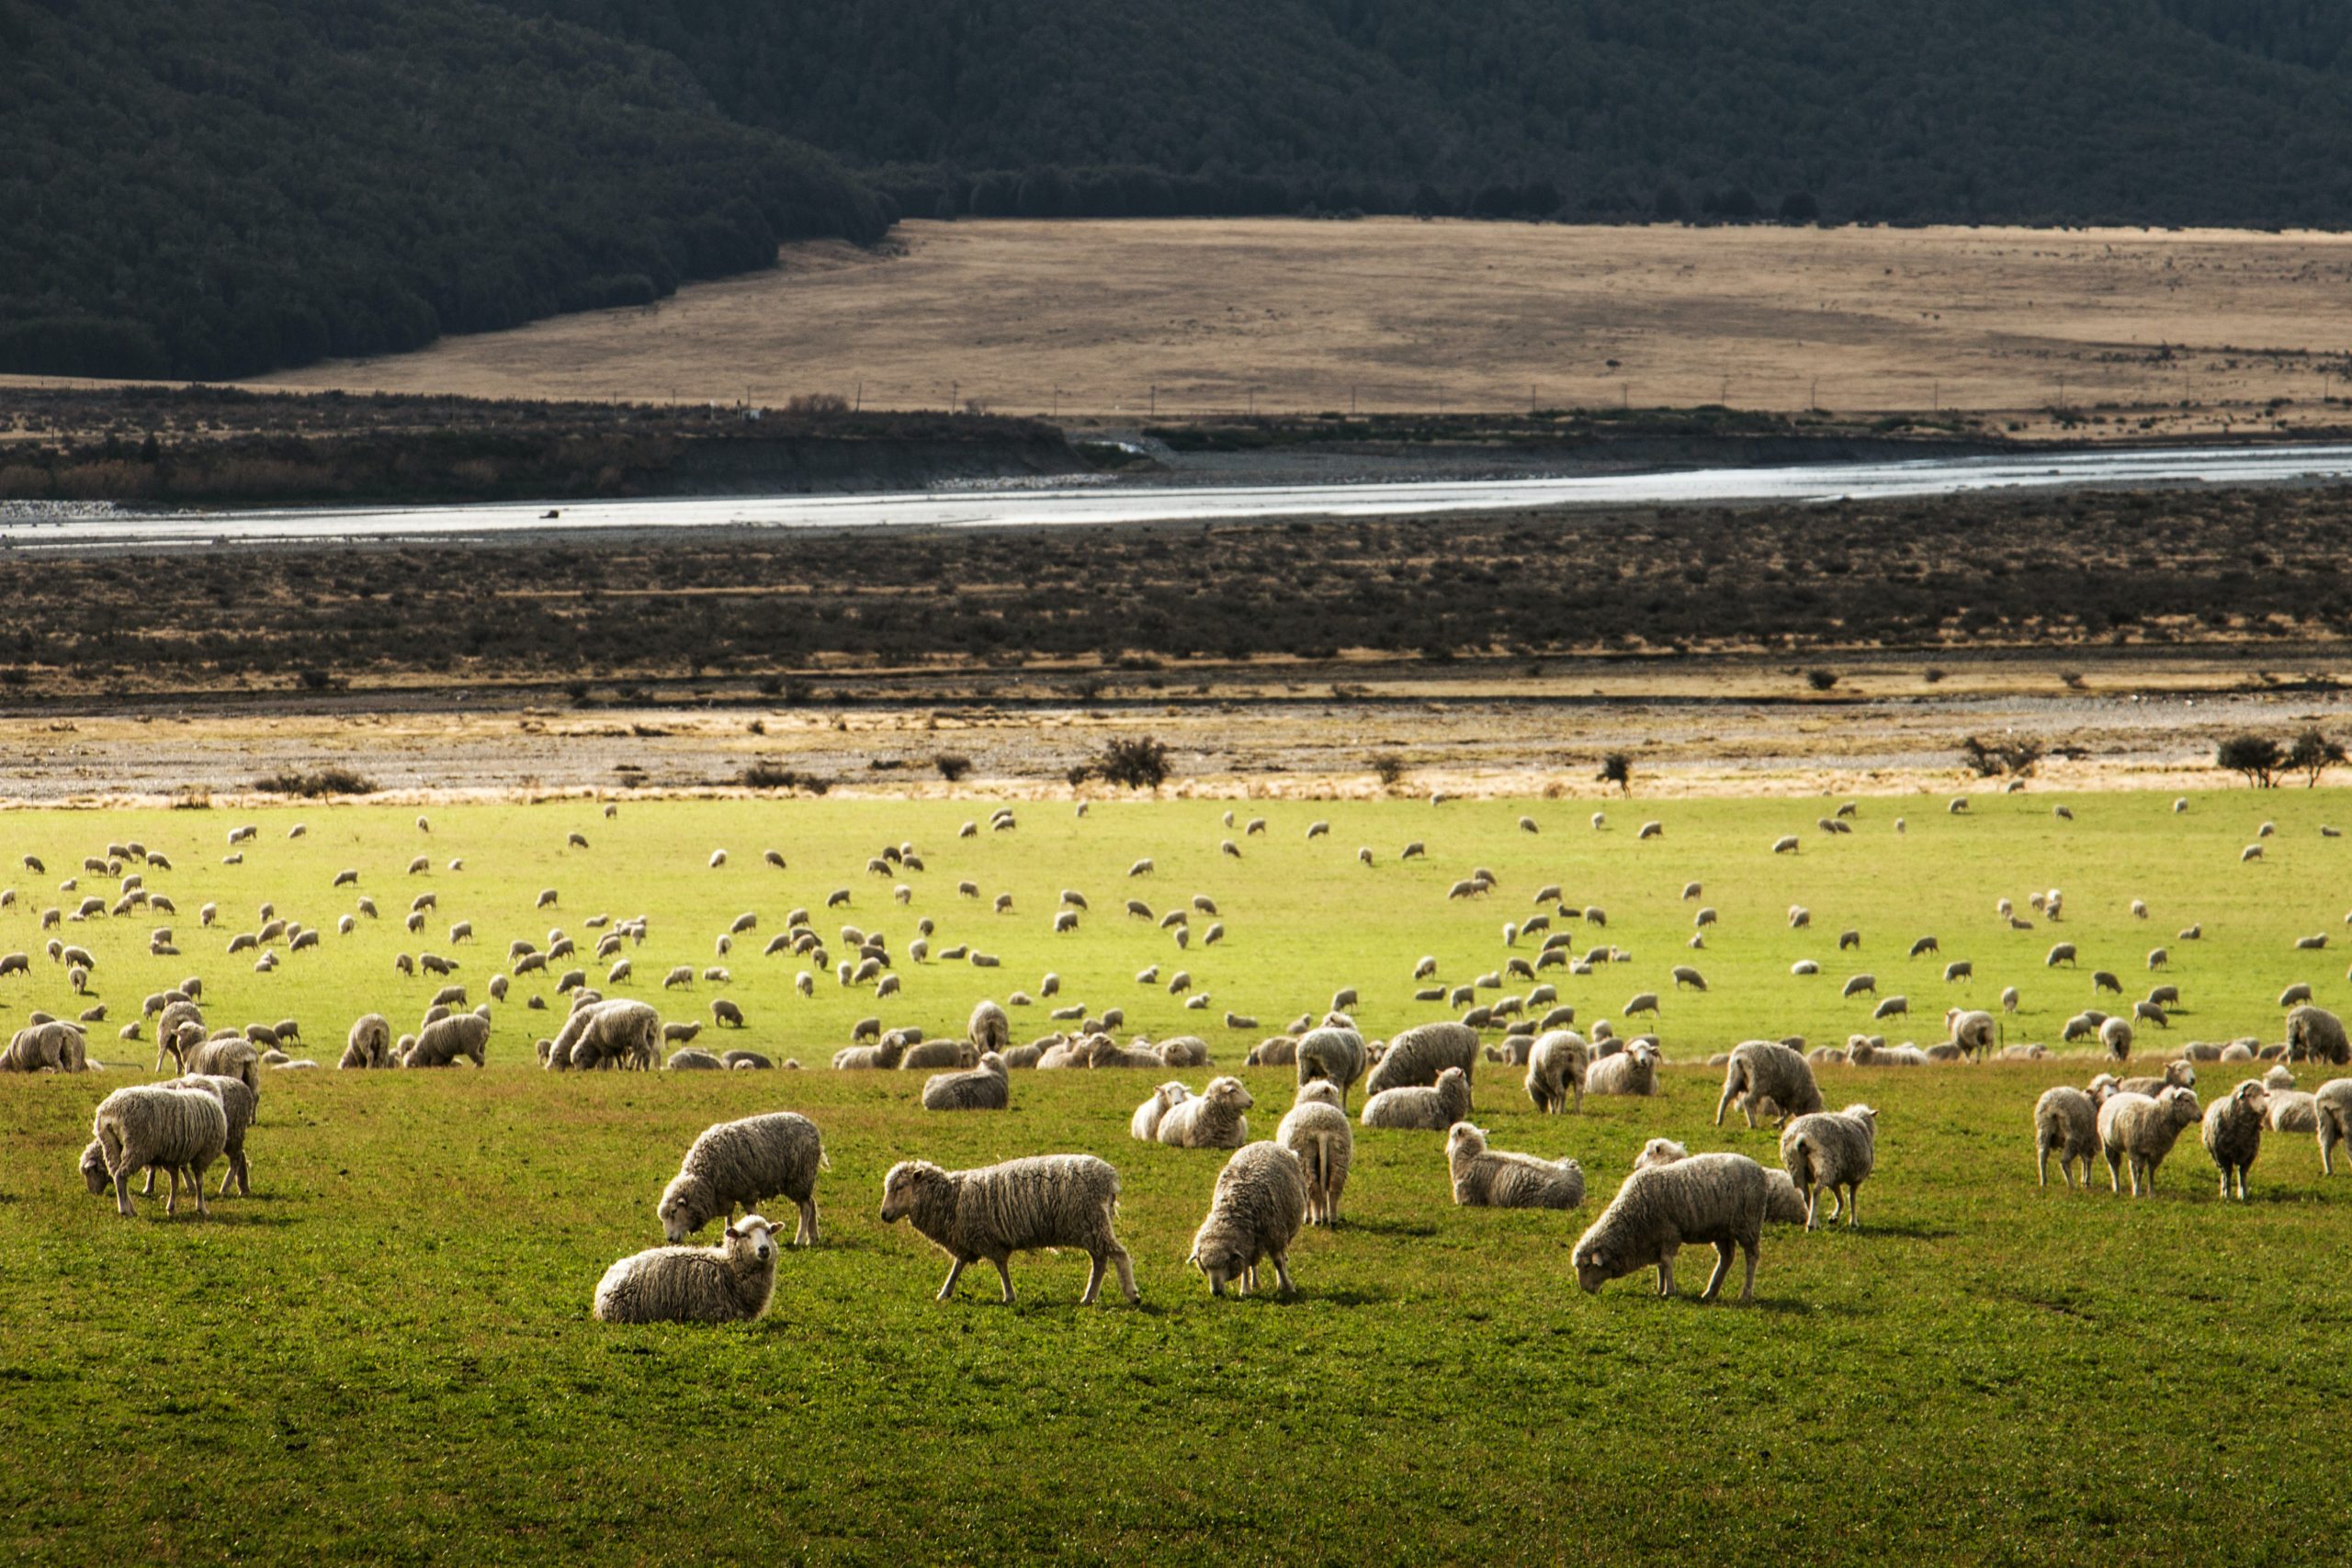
(2232,1133)
(149,1125)
(1832,1152)
(1764,1075)
(1255,1210)
(1317,1130)
(2135,1129)
(742,1163)
(1556,1064)
(1717,1199)
(1419,1055)
(731,1283)
(1418,1108)
(1019,1206)
(1214,1119)
(2066,1123)
(1491,1178)
(984,1088)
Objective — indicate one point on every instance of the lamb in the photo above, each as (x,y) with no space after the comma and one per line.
(1020,1205)
(2331,1120)
(731,1283)
(1556,1064)
(1319,1133)
(2066,1123)
(1416,1108)
(1256,1211)
(2315,1033)
(2233,1132)
(989,1030)
(1831,1150)
(152,1124)
(1716,1197)
(1764,1072)
(1144,1126)
(1631,1071)
(984,1088)
(2135,1128)
(1335,1055)
(440,1043)
(744,1163)
(1420,1055)
(1212,1119)
(1485,1177)
(370,1044)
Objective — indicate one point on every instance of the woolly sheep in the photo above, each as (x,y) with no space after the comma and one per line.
(1336,1056)
(2315,1033)
(1718,1199)
(1419,1055)
(241,1104)
(2066,1123)
(148,1125)
(442,1042)
(731,1283)
(693,1059)
(1317,1130)
(1764,1072)
(1144,1126)
(2331,1120)
(2293,1111)
(370,1044)
(1022,1204)
(934,1053)
(1556,1064)
(2232,1133)
(1214,1119)
(1631,1071)
(1975,1032)
(1832,1151)
(1485,1177)
(1416,1108)
(743,1163)
(983,1087)
(888,1054)
(2115,1038)
(616,1033)
(990,1029)
(1255,1210)
(2135,1129)
(1274,1051)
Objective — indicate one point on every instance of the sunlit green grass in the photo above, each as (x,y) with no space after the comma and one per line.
(385,1353)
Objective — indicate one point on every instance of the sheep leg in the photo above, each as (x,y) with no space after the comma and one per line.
(196,1185)
(1836,1202)
(122,1193)
(1125,1266)
(2041,1165)
(1747,1287)
(1006,1275)
(955,1271)
(1666,1272)
(1580,1088)
(148,1189)
(2114,1171)
(1725,1104)
(1853,1207)
(1281,1274)
(170,1202)
(1811,1202)
(807,1234)
(1724,1250)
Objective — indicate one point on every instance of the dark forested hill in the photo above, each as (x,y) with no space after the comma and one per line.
(211,187)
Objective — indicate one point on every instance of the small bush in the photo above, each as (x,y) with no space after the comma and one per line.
(1617,768)
(1389,768)
(951,766)
(315,784)
(1821,680)
(1990,759)
(1129,761)
(775,775)
(2259,757)
(2312,754)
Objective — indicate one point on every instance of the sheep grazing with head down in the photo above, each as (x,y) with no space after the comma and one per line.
(54,1047)
(1974,1031)
(608,1034)
(1717,1198)
(1214,1119)
(1490,1178)
(1144,1126)
(989,1030)
(1831,1151)
(2233,1132)
(2066,1123)
(1556,1064)
(1256,1211)
(1419,1056)
(2314,1033)
(1317,1130)
(1019,1206)
(370,1044)
(1764,1075)
(2135,1129)
(2115,1038)
(2331,1120)
(1632,1070)
(1333,1055)
(731,1283)
(181,1130)
(742,1163)
(1422,1108)
(984,1088)
(1783,1204)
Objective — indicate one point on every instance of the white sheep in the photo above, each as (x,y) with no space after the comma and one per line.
(2134,1128)
(1485,1177)
(743,1163)
(2331,1120)
(983,1087)
(993,1212)
(1255,1210)
(1214,1119)
(1317,1130)
(1832,1151)
(1631,1071)
(1418,1108)
(731,1283)
(1718,1199)
(1556,1064)
(2233,1132)
(2066,1123)
(148,1125)
(1418,1056)
(1764,1075)
(1144,1126)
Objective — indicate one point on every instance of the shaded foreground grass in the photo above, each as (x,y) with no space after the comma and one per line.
(385,1353)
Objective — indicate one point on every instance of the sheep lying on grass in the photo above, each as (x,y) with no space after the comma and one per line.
(984,1088)
(1255,1210)
(1832,1151)
(731,1283)
(742,1163)
(1719,1199)
(1317,1130)
(1485,1177)
(1418,1109)
(1214,1119)
(148,1125)
(1631,1071)
(1019,1206)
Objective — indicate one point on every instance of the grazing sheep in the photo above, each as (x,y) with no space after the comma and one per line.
(1556,1064)
(725,1014)
(1418,1056)
(370,1044)
(1831,1150)
(1022,1204)
(1317,1130)
(443,1042)
(1631,1071)
(1857,985)
(934,1054)
(1485,1177)
(990,1029)
(2331,1120)
(1274,1051)
(1719,1199)
(48,1046)
(1785,845)
(1764,1075)
(606,1034)
(1891,1007)
(2316,1034)
(1975,1032)
(1336,1056)
(1214,1119)
(731,1283)
(747,1061)
(2060,952)
(1416,1108)
(150,1126)
(2115,1038)
(2233,1132)
(2066,1123)
(2134,1128)
(984,1088)
(241,1104)
(1255,1210)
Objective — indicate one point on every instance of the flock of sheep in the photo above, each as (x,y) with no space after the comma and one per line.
(1419,1081)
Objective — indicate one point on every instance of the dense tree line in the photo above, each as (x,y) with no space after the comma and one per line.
(214,187)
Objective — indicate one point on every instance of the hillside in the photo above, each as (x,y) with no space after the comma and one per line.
(2038,111)
(210,187)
